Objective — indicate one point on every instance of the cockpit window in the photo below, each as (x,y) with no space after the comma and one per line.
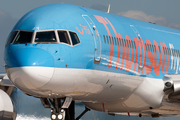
(23,37)
(63,36)
(48,36)
(11,37)
(74,38)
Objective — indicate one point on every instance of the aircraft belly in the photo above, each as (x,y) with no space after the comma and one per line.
(91,85)
(148,95)
(118,92)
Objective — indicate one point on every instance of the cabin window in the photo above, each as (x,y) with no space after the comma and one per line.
(173,52)
(146,47)
(11,37)
(177,53)
(104,39)
(115,40)
(154,48)
(23,37)
(118,42)
(125,42)
(107,39)
(74,38)
(131,44)
(150,46)
(122,41)
(45,37)
(164,50)
(110,40)
(169,51)
(63,37)
(134,44)
(159,49)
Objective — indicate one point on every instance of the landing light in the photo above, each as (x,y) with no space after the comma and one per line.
(53,116)
(62,110)
(60,116)
(51,110)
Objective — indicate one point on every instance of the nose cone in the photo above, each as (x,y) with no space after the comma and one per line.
(30,57)
(30,68)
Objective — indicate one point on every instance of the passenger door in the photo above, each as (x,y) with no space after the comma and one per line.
(96,37)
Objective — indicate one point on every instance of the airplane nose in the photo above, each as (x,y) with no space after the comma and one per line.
(30,68)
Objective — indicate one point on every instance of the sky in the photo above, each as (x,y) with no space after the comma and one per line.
(162,12)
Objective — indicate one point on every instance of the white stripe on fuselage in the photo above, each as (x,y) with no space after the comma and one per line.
(90,85)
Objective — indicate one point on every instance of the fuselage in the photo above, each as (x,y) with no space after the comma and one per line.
(62,50)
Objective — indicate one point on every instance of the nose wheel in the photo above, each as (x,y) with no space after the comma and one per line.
(58,115)
(62,109)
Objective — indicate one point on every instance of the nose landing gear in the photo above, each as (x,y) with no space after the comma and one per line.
(62,109)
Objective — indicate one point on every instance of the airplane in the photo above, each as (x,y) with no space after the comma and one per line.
(62,53)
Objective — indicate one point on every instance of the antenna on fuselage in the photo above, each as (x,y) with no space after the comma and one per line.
(109,8)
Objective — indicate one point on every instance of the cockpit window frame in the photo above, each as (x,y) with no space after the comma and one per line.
(56,35)
(12,42)
(71,39)
(68,36)
(68,32)
(35,32)
(23,31)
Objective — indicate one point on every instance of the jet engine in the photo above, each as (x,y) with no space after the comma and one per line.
(7,111)
(172,86)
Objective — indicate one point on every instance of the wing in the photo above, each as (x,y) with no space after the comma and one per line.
(4,80)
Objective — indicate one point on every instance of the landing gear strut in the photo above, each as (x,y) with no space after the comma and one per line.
(62,109)
(84,112)
(56,112)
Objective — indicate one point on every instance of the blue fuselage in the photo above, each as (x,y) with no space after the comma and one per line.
(84,53)
(81,56)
